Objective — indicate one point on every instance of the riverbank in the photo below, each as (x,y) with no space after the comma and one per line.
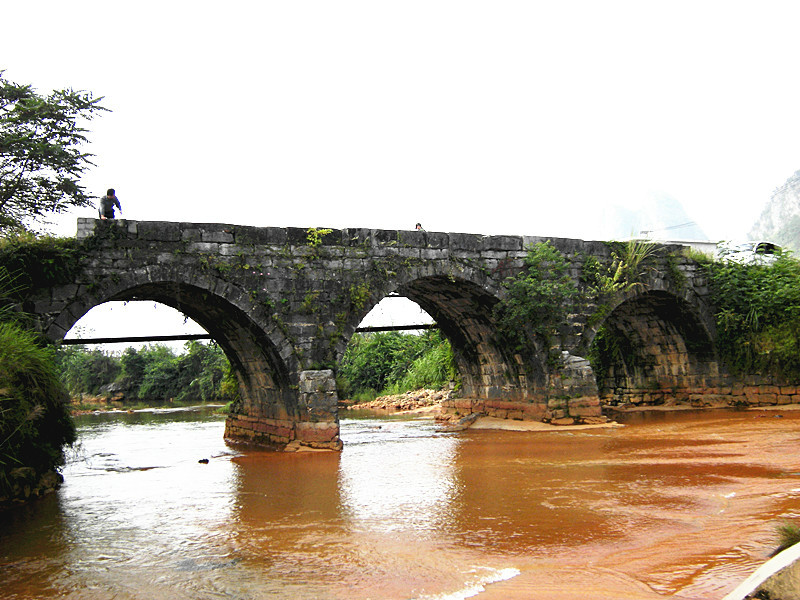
(406,402)
(428,402)
(99,404)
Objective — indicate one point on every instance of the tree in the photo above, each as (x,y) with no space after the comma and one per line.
(40,157)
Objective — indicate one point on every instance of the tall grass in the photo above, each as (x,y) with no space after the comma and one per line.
(788,536)
(434,369)
(34,420)
(392,363)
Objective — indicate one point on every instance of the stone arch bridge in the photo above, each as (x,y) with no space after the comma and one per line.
(284,302)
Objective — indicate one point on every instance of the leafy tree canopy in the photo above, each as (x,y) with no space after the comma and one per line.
(41,161)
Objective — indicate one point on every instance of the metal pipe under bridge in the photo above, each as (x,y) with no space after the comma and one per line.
(205,336)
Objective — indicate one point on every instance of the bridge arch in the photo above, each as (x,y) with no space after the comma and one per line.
(462,306)
(650,345)
(259,354)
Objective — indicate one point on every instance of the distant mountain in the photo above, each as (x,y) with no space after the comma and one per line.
(780,220)
(659,217)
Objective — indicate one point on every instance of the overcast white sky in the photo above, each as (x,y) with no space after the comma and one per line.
(518,117)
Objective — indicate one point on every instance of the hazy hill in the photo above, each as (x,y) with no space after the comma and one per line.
(659,217)
(780,220)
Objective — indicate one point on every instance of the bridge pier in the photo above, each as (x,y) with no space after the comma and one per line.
(315,426)
(569,395)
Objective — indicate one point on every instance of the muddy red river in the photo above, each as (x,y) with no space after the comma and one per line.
(666,505)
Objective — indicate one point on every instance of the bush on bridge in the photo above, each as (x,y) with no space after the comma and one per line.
(537,300)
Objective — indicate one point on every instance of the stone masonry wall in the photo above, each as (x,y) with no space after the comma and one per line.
(284,302)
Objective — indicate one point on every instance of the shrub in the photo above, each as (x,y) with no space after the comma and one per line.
(537,300)
(34,420)
(389,362)
(788,536)
(758,316)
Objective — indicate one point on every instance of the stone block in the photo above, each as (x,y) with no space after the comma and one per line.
(493,255)
(316,432)
(502,242)
(222,236)
(159,231)
(462,403)
(534,411)
(412,239)
(297,236)
(437,240)
(386,236)
(768,398)
(191,234)
(203,247)
(585,406)
(85,227)
(317,381)
(357,237)
(465,242)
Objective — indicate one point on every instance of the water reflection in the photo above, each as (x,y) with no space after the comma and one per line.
(396,477)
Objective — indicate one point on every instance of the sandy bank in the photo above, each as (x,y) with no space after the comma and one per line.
(511,425)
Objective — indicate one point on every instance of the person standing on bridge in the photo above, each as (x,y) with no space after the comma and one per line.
(107,204)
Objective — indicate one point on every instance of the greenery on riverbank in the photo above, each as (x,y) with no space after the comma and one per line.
(391,363)
(153,374)
(758,316)
(34,421)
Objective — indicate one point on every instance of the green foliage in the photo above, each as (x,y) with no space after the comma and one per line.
(310,303)
(34,421)
(85,371)
(38,261)
(433,369)
(678,277)
(537,300)
(153,373)
(41,161)
(8,291)
(359,294)
(628,267)
(788,535)
(758,316)
(377,362)
(314,235)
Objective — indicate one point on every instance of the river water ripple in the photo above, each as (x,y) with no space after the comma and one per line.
(670,505)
